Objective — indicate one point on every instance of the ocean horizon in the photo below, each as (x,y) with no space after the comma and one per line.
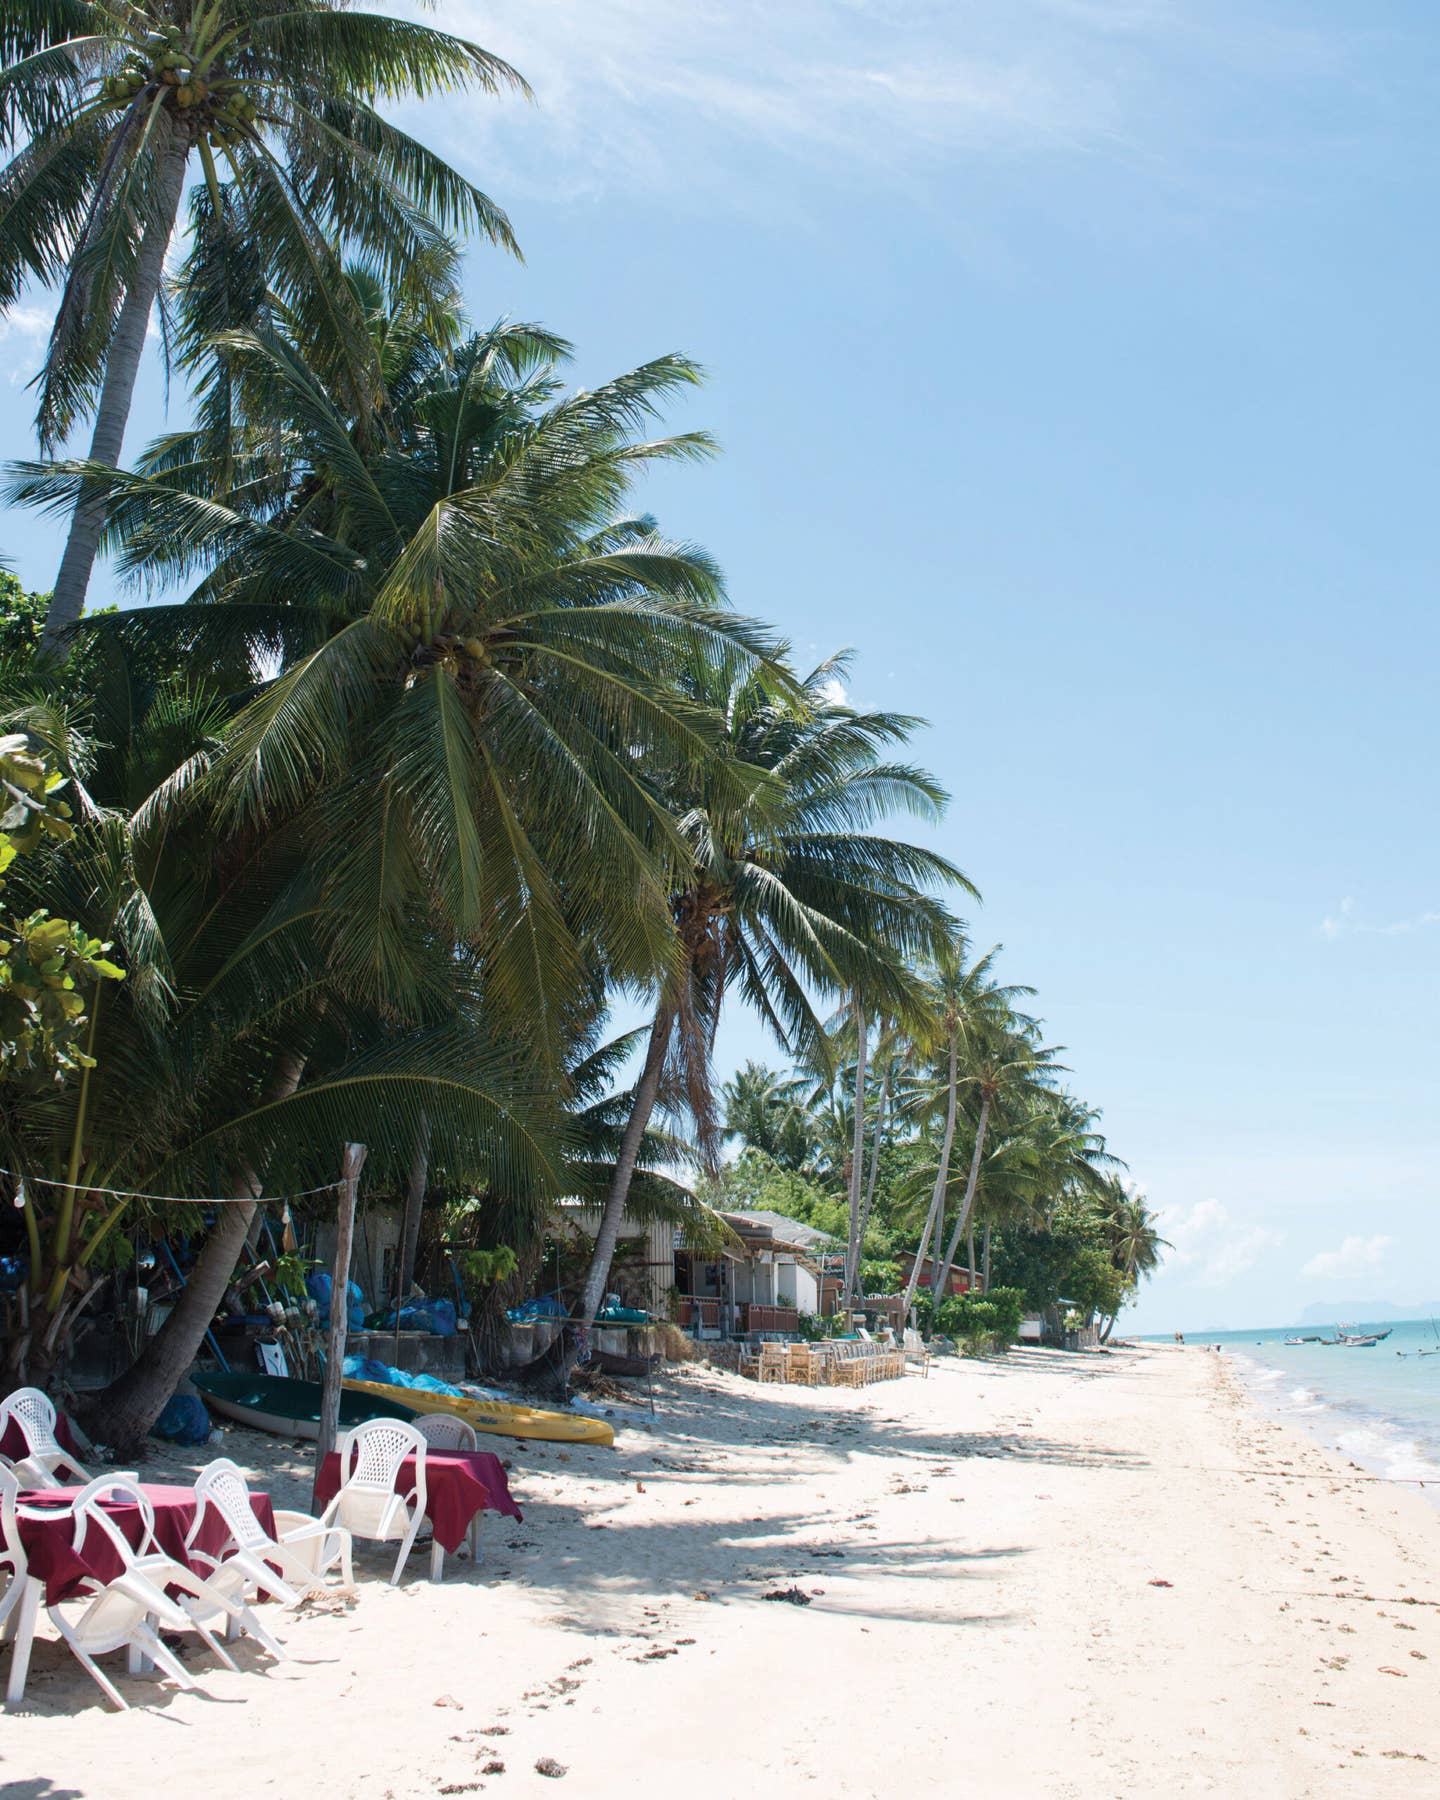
(1379,1407)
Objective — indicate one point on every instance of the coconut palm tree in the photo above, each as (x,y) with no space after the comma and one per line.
(231,1055)
(478,657)
(962,1003)
(108,105)
(767,1112)
(1136,1246)
(786,892)
(480,653)
(1004,1054)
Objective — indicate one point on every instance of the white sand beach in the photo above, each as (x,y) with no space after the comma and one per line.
(1102,1575)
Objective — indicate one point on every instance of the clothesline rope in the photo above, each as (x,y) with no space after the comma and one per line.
(89,1187)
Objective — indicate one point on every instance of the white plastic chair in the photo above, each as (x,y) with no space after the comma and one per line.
(203,1600)
(448,1431)
(316,1551)
(274,1566)
(20,1602)
(126,1613)
(367,1505)
(44,1458)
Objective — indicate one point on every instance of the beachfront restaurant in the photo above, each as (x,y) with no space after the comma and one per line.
(772,1270)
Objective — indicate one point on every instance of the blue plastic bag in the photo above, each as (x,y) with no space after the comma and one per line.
(183,1421)
(317,1286)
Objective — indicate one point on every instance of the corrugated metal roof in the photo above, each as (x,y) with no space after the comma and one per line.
(779,1229)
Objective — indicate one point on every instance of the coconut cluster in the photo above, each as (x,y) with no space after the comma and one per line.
(163,60)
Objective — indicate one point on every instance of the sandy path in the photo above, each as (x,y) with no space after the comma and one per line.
(989,1622)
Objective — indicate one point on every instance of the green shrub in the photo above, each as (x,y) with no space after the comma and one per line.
(980,1322)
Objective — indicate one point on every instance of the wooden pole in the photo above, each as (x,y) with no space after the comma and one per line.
(350,1166)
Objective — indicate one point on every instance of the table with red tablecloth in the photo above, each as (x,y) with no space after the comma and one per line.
(49,1540)
(458,1484)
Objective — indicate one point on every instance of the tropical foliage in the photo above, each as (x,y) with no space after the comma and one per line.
(429,748)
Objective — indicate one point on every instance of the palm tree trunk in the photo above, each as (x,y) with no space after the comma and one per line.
(414,1206)
(942,1177)
(970,1185)
(641,1106)
(866,1209)
(122,366)
(970,1250)
(986,1255)
(857,1155)
(130,1405)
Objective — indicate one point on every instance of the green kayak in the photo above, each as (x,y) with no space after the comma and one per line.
(288,1407)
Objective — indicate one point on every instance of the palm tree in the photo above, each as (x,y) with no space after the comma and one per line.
(961,1001)
(785,892)
(108,103)
(231,1055)
(1134,1235)
(1004,1054)
(477,657)
(479,652)
(767,1113)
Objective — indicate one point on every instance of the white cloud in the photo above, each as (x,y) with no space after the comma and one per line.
(27,324)
(23,331)
(625,87)
(1356,1256)
(1344,923)
(1211,1240)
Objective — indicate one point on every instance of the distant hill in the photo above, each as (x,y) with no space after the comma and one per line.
(1368,1312)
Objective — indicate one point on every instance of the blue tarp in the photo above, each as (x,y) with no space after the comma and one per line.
(369,1368)
(434,1316)
(548,1306)
(317,1286)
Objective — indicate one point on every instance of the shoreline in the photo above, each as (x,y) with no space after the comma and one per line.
(1384,1441)
(1092,1574)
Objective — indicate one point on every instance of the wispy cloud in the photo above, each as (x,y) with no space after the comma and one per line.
(628,88)
(28,324)
(1344,922)
(1354,1257)
(22,332)
(1210,1239)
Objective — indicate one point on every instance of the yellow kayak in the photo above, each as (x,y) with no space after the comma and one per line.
(497,1416)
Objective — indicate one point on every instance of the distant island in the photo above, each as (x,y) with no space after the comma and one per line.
(1327,1312)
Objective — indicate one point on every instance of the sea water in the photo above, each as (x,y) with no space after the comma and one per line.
(1379,1409)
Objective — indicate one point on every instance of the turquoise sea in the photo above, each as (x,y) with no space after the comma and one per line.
(1380,1409)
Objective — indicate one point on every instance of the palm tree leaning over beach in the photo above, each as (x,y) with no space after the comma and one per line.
(108,105)
(786,891)
(961,997)
(478,652)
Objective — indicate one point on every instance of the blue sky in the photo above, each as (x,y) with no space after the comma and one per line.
(1074,361)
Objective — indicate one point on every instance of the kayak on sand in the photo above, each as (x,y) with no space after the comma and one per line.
(497,1416)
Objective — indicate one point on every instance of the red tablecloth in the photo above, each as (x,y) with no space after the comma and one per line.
(458,1484)
(49,1542)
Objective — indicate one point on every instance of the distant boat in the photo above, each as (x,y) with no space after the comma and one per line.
(1360,1343)
(1314,1338)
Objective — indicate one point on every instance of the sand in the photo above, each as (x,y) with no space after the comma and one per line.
(1100,1576)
